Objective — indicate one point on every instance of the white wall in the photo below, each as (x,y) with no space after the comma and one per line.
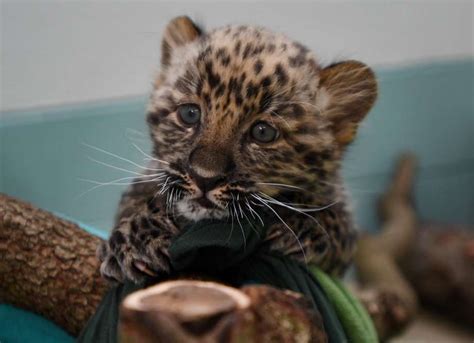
(64,52)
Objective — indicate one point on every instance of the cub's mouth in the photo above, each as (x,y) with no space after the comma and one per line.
(205,202)
(200,206)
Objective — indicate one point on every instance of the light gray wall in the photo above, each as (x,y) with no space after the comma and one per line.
(64,52)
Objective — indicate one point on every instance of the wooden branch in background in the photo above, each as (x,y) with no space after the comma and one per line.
(386,293)
(441,270)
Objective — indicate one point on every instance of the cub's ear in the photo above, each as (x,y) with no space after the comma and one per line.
(347,92)
(178,32)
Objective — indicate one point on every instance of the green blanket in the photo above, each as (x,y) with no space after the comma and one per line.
(236,254)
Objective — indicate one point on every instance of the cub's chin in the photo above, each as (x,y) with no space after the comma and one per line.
(198,209)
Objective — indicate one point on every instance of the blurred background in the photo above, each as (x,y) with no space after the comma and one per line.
(76,73)
(75,77)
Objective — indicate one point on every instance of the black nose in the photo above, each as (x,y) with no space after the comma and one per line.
(207,184)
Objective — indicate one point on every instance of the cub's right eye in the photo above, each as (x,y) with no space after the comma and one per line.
(189,114)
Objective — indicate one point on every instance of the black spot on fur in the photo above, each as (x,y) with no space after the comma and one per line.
(219,91)
(144,223)
(154,223)
(281,75)
(305,129)
(205,53)
(257,67)
(251,90)
(299,148)
(154,118)
(267,80)
(134,227)
(239,100)
(326,154)
(151,205)
(311,157)
(265,101)
(223,56)
(237,47)
(155,233)
(247,50)
(117,238)
(212,78)
(298,60)
(301,48)
(258,50)
(207,100)
(297,110)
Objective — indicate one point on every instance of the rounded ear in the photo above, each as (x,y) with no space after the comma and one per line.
(347,92)
(178,32)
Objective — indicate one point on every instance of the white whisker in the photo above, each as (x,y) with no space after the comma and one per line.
(276,202)
(280,185)
(286,225)
(302,210)
(116,182)
(254,212)
(115,167)
(248,220)
(240,224)
(149,157)
(117,156)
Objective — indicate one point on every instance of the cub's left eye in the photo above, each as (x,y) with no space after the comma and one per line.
(189,114)
(263,132)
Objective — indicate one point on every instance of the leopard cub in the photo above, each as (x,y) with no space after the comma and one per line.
(243,120)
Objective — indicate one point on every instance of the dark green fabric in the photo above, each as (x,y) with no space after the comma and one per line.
(102,327)
(231,252)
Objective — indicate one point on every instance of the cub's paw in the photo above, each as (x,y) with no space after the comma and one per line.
(140,253)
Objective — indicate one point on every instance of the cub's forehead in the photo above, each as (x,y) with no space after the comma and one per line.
(246,52)
(244,67)
(248,42)
(256,51)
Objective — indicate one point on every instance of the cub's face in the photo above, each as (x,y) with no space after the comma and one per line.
(241,113)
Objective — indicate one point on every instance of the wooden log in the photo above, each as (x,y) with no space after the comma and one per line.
(48,265)
(198,311)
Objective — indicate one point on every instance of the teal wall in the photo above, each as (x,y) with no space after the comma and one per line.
(426,108)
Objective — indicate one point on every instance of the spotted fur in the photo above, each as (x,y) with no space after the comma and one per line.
(238,76)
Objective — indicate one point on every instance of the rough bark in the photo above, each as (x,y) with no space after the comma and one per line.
(197,311)
(48,265)
(388,296)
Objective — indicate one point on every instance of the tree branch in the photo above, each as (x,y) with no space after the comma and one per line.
(48,265)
